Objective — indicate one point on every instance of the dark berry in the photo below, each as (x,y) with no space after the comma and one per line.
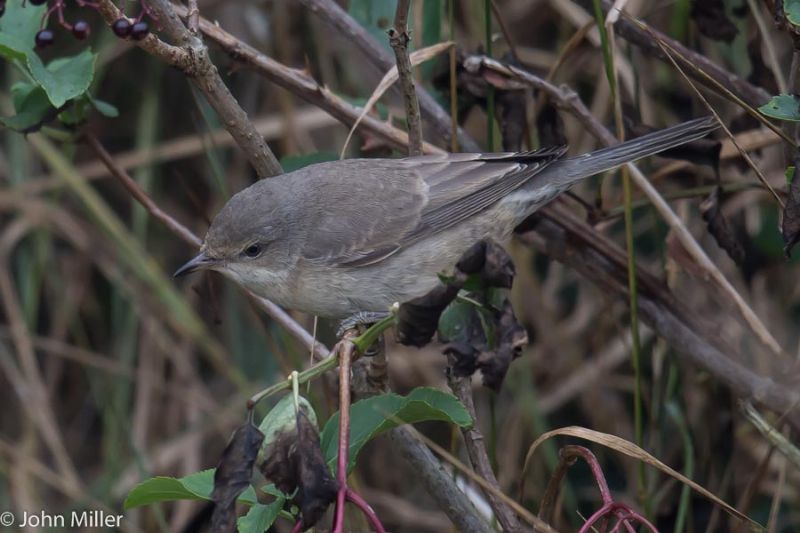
(37,2)
(81,29)
(45,38)
(140,30)
(121,28)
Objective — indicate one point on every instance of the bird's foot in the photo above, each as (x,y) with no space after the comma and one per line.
(360,321)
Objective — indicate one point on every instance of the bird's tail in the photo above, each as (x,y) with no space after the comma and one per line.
(568,171)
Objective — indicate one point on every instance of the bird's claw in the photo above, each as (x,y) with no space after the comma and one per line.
(360,321)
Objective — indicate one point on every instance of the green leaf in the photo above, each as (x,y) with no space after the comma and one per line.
(32,107)
(197,486)
(295,162)
(160,489)
(373,416)
(792,10)
(783,107)
(455,322)
(65,78)
(19,92)
(103,107)
(260,517)
(76,112)
(20,24)
(13,49)
(282,418)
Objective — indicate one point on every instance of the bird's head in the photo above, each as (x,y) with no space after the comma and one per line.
(247,238)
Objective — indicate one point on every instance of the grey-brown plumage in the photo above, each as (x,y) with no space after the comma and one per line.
(336,238)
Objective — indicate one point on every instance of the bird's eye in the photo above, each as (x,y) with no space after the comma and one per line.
(253,251)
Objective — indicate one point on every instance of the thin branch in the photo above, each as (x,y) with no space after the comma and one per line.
(478,457)
(366,510)
(381,60)
(171,55)
(399,39)
(193,19)
(753,95)
(439,483)
(192,58)
(538,525)
(301,84)
(563,236)
(138,193)
(345,352)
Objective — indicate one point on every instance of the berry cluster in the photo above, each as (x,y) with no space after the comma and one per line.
(136,29)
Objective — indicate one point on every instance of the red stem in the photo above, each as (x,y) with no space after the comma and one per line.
(614,508)
(365,508)
(345,353)
(298,527)
(597,471)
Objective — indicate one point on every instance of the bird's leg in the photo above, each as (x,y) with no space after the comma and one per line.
(361,321)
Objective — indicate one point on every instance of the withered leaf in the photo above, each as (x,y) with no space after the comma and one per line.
(418,319)
(317,489)
(463,358)
(498,269)
(720,228)
(294,461)
(465,328)
(712,21)
(233,474)
(512,337)
(550,126)
(790,227)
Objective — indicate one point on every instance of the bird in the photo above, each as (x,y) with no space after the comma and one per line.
(339,238)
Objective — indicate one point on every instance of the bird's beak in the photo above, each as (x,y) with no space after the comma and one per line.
(199,262)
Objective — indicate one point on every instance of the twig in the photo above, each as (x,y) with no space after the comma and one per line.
(193,19)
(478,457)
(380,59)
(766,38)
(526,515)
(753,95)
(438,482)
(128,182)
(345,352)
(399,39)
(366,510)
(451,21)
(730,135)
(300,83)
(192,58)
(171,55)
(570,240)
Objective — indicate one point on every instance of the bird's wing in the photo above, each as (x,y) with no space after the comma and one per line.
(415,198)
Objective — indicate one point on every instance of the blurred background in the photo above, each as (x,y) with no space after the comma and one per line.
(111,372)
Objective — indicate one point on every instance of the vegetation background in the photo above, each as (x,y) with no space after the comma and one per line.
(111,372)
